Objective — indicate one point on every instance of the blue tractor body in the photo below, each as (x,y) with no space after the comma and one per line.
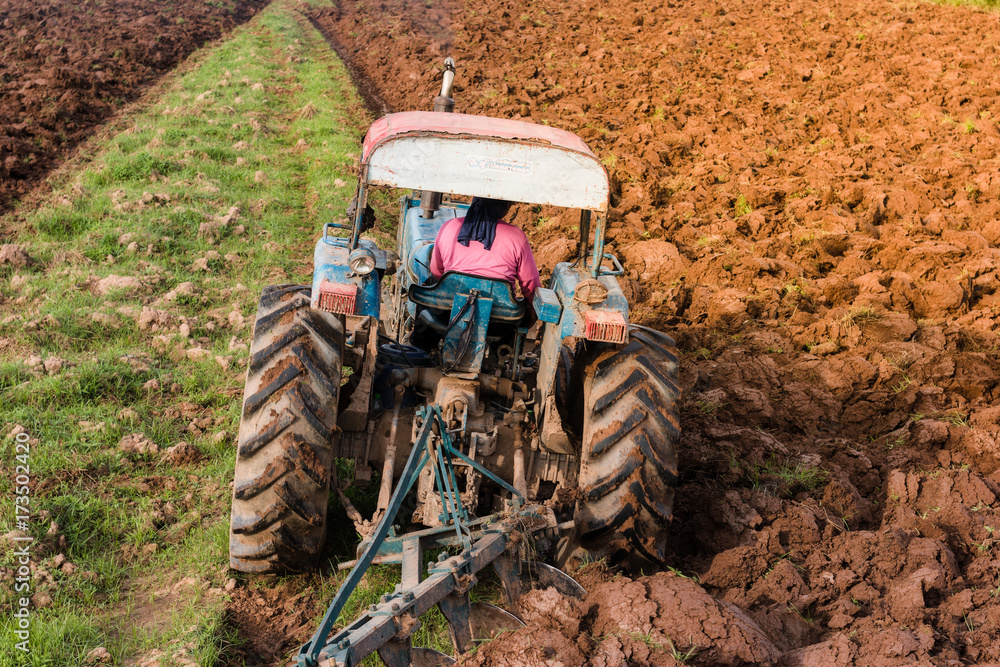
(484,416)
(331,265)
(555,304)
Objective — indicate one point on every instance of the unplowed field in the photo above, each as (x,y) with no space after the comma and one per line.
(67,66)
(806,196)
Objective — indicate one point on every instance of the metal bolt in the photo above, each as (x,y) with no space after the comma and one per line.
(344,644)
(373,607)
(408,596)
(442,556)
(395,607)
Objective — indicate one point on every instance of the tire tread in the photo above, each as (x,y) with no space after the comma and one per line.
(631,429)
(289,417)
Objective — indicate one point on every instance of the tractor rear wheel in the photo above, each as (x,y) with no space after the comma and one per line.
(630,432)
(284,455)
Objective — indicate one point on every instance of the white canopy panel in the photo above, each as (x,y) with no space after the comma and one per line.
(485,157)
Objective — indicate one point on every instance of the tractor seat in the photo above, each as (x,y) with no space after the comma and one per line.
(441,295)
(437,301)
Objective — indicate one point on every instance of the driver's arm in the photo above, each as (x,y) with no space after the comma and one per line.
(527,272)
(437,265)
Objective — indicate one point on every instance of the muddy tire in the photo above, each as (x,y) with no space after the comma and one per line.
(628,448)
(284,455)
(568,389)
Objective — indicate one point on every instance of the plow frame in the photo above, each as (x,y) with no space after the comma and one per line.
(386,627)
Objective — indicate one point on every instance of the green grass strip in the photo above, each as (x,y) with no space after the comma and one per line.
(132,318)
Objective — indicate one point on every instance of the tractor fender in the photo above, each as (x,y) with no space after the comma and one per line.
(565,278)
(571,325)
(330,264)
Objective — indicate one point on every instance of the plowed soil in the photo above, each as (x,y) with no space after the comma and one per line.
(65,67)
(806,197)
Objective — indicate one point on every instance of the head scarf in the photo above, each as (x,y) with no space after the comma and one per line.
(480,222)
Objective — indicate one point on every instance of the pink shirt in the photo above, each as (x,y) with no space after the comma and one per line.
(509,258)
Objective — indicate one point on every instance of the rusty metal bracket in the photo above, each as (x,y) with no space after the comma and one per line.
(355,417)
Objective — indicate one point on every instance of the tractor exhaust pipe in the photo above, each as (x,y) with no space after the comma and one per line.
(430,202)
(444,101)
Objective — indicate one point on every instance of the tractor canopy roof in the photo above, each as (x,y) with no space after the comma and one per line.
(460,154)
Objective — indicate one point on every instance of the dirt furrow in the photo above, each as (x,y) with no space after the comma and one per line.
(66,67)
(805,195)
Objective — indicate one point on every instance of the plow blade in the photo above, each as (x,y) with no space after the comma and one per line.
(428,657)
(476,622)
(488,621)
(401,654)
(541,576)
(519,577)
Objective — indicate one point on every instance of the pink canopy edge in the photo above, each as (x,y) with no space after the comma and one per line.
(406,122)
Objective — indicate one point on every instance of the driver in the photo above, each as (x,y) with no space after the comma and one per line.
(481,244)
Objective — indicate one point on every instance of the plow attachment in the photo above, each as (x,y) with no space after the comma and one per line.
(386,627)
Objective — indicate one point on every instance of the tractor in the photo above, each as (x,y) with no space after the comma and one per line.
(522,429)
